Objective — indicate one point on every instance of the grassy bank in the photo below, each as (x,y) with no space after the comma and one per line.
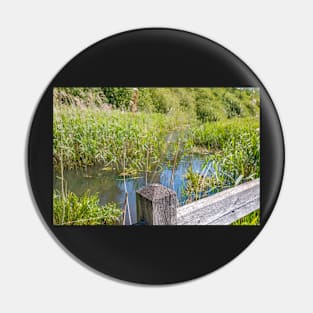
(69,209)
(206,104)
(121,141)
(86,137)
(234,147)
(95,126)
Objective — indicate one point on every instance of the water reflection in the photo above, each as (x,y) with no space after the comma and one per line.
(110,186)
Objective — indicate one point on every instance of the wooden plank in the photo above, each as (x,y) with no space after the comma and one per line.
(238,213)
(221,207)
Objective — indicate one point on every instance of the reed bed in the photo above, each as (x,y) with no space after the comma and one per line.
(234,157)
(130,143)
(90,136)
(216,135)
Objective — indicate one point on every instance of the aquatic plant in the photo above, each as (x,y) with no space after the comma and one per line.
(216,135)
(234,158)
(70,209)
(197,185)
(234,152)
(223,123)
(88,137)
(238,160)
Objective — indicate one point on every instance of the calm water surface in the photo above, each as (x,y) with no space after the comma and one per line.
(110,186)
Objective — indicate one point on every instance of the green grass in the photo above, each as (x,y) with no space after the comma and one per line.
(237,160)
(251,219)
(86,137)
(70,209)
(216,135)
(221,122)
(234,147)
(234,152)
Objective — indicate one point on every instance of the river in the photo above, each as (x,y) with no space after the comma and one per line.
(110,186)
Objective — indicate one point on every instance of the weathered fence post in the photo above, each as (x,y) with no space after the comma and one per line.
(157,205)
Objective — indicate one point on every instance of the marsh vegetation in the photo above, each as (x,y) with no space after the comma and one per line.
(197,141)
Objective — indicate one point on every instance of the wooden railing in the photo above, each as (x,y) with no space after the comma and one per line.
(158,205)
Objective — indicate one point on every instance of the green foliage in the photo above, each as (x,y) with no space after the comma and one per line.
(164,101)
(233,105)
(86,137)
(186,98)
(215,136)
(145,100)
(239,159)
(70,209)
(213,104)
(223,122)
(234,147)
(205,112)
(81,97)
(196,187)
(208,104)
(251,219)
(118,97)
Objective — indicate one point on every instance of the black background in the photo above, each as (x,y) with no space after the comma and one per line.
(164,58)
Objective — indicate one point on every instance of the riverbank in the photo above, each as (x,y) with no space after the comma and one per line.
(127,148)
(87,137)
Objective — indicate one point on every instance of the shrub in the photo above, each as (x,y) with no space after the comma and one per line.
(79,96)
(232,105)
(117,96)
(205,112)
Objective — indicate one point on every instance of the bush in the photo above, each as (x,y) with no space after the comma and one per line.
(118,97)
(145,100)
(205,112)
(186,99)
(232,105)
(79,96)
(164,100)
(208,104)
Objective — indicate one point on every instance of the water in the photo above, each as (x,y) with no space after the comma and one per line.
(110,186)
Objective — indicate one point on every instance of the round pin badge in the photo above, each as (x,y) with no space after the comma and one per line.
(155,156)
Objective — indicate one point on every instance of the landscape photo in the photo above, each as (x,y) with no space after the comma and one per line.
(134,156)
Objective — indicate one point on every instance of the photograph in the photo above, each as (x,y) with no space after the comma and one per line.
(156,156)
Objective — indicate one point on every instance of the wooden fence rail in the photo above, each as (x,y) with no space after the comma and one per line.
(158,205)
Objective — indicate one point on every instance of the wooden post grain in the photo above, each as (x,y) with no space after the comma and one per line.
(156,205)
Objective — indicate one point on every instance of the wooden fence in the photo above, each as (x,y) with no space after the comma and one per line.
(158,205)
